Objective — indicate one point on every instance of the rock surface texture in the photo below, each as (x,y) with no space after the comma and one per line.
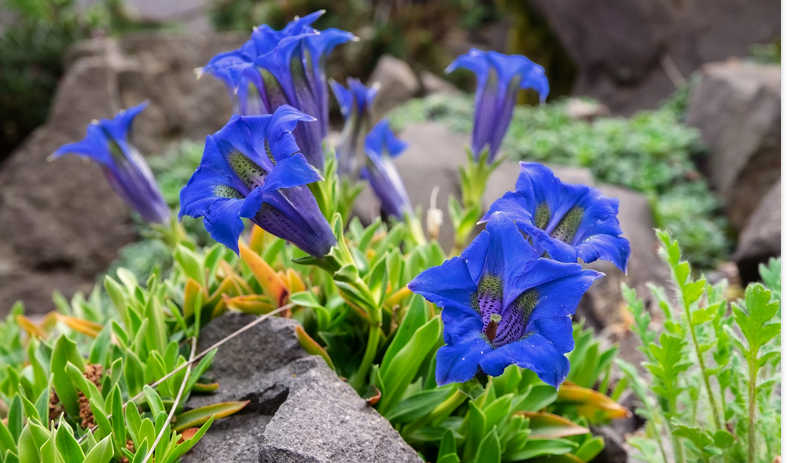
(299,410)
(761,238)
(737,107)
(626,64)
(62,222)
(432,159)
(398,84)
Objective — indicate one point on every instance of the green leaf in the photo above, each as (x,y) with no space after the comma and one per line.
(723,439)
(201,415)
(448,446)
(696,435)
(490,449)
(406,363)
(7,442)
(590,448)
(154,401)
(419,405)
(537,447)
(16,417)
(115,406)
(535,398)
(28,450)
(190,263)
(67,445)
(65,351)
(415,317)
(101,453)
(476,424)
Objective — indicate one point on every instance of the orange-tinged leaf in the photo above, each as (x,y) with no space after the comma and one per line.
(591,403)
(200,387)
(397,297)
(311,346)
(240,281)
(31,328)
(191,290)
(228,287)
(79,325)
(49,321)
(257,239)
(295,283)
(252,303)
(198,416)
(272,284)
(548,425)
(187,434)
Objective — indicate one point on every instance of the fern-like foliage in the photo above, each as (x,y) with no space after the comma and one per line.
(712,368)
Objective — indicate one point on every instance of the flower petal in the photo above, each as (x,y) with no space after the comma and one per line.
(446,285)
(533,352)
(458,362)
(560,297)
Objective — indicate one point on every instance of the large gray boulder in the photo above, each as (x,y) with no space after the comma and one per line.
(761,238)
(625,50)
(62,222)
(299,410)
(397,81)
(737,108)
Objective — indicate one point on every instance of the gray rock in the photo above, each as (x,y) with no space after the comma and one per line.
(398,84)
(624,64)
(67,223)
(614,450)
(737,107)
(299,410)
(432,83)
(761,238)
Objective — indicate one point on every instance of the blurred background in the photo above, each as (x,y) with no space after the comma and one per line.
(674,102)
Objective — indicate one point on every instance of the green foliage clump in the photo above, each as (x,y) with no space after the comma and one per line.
(711,394)
(651,152)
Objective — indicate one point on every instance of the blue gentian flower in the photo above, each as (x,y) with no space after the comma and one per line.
(252,168)
(381,146)
(499,78)
(567,222)
(108,142)
(276,68)
(356,103)
(504,305)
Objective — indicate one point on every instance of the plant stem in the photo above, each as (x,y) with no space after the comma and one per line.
(703,367)
(752,370)
(373,337)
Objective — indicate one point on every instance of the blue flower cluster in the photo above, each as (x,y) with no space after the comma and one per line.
(507,299)
(287,67)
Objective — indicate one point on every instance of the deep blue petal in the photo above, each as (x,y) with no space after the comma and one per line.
(615,249)
(380,146)
(458,322)
(94,146)
(533,352)
(223,223)
(474,255)
(288,173)
(510,256)
(560,297)
(559,331)
(447,285)
(458,362)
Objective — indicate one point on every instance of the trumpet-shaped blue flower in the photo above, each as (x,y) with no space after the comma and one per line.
(252,168)
(381,146)
(504,305)
(566,221)
(499,78)
(356,104)
(276,68)
(108,142)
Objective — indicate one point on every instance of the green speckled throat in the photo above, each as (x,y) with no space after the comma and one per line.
(250,174)
(566,229)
